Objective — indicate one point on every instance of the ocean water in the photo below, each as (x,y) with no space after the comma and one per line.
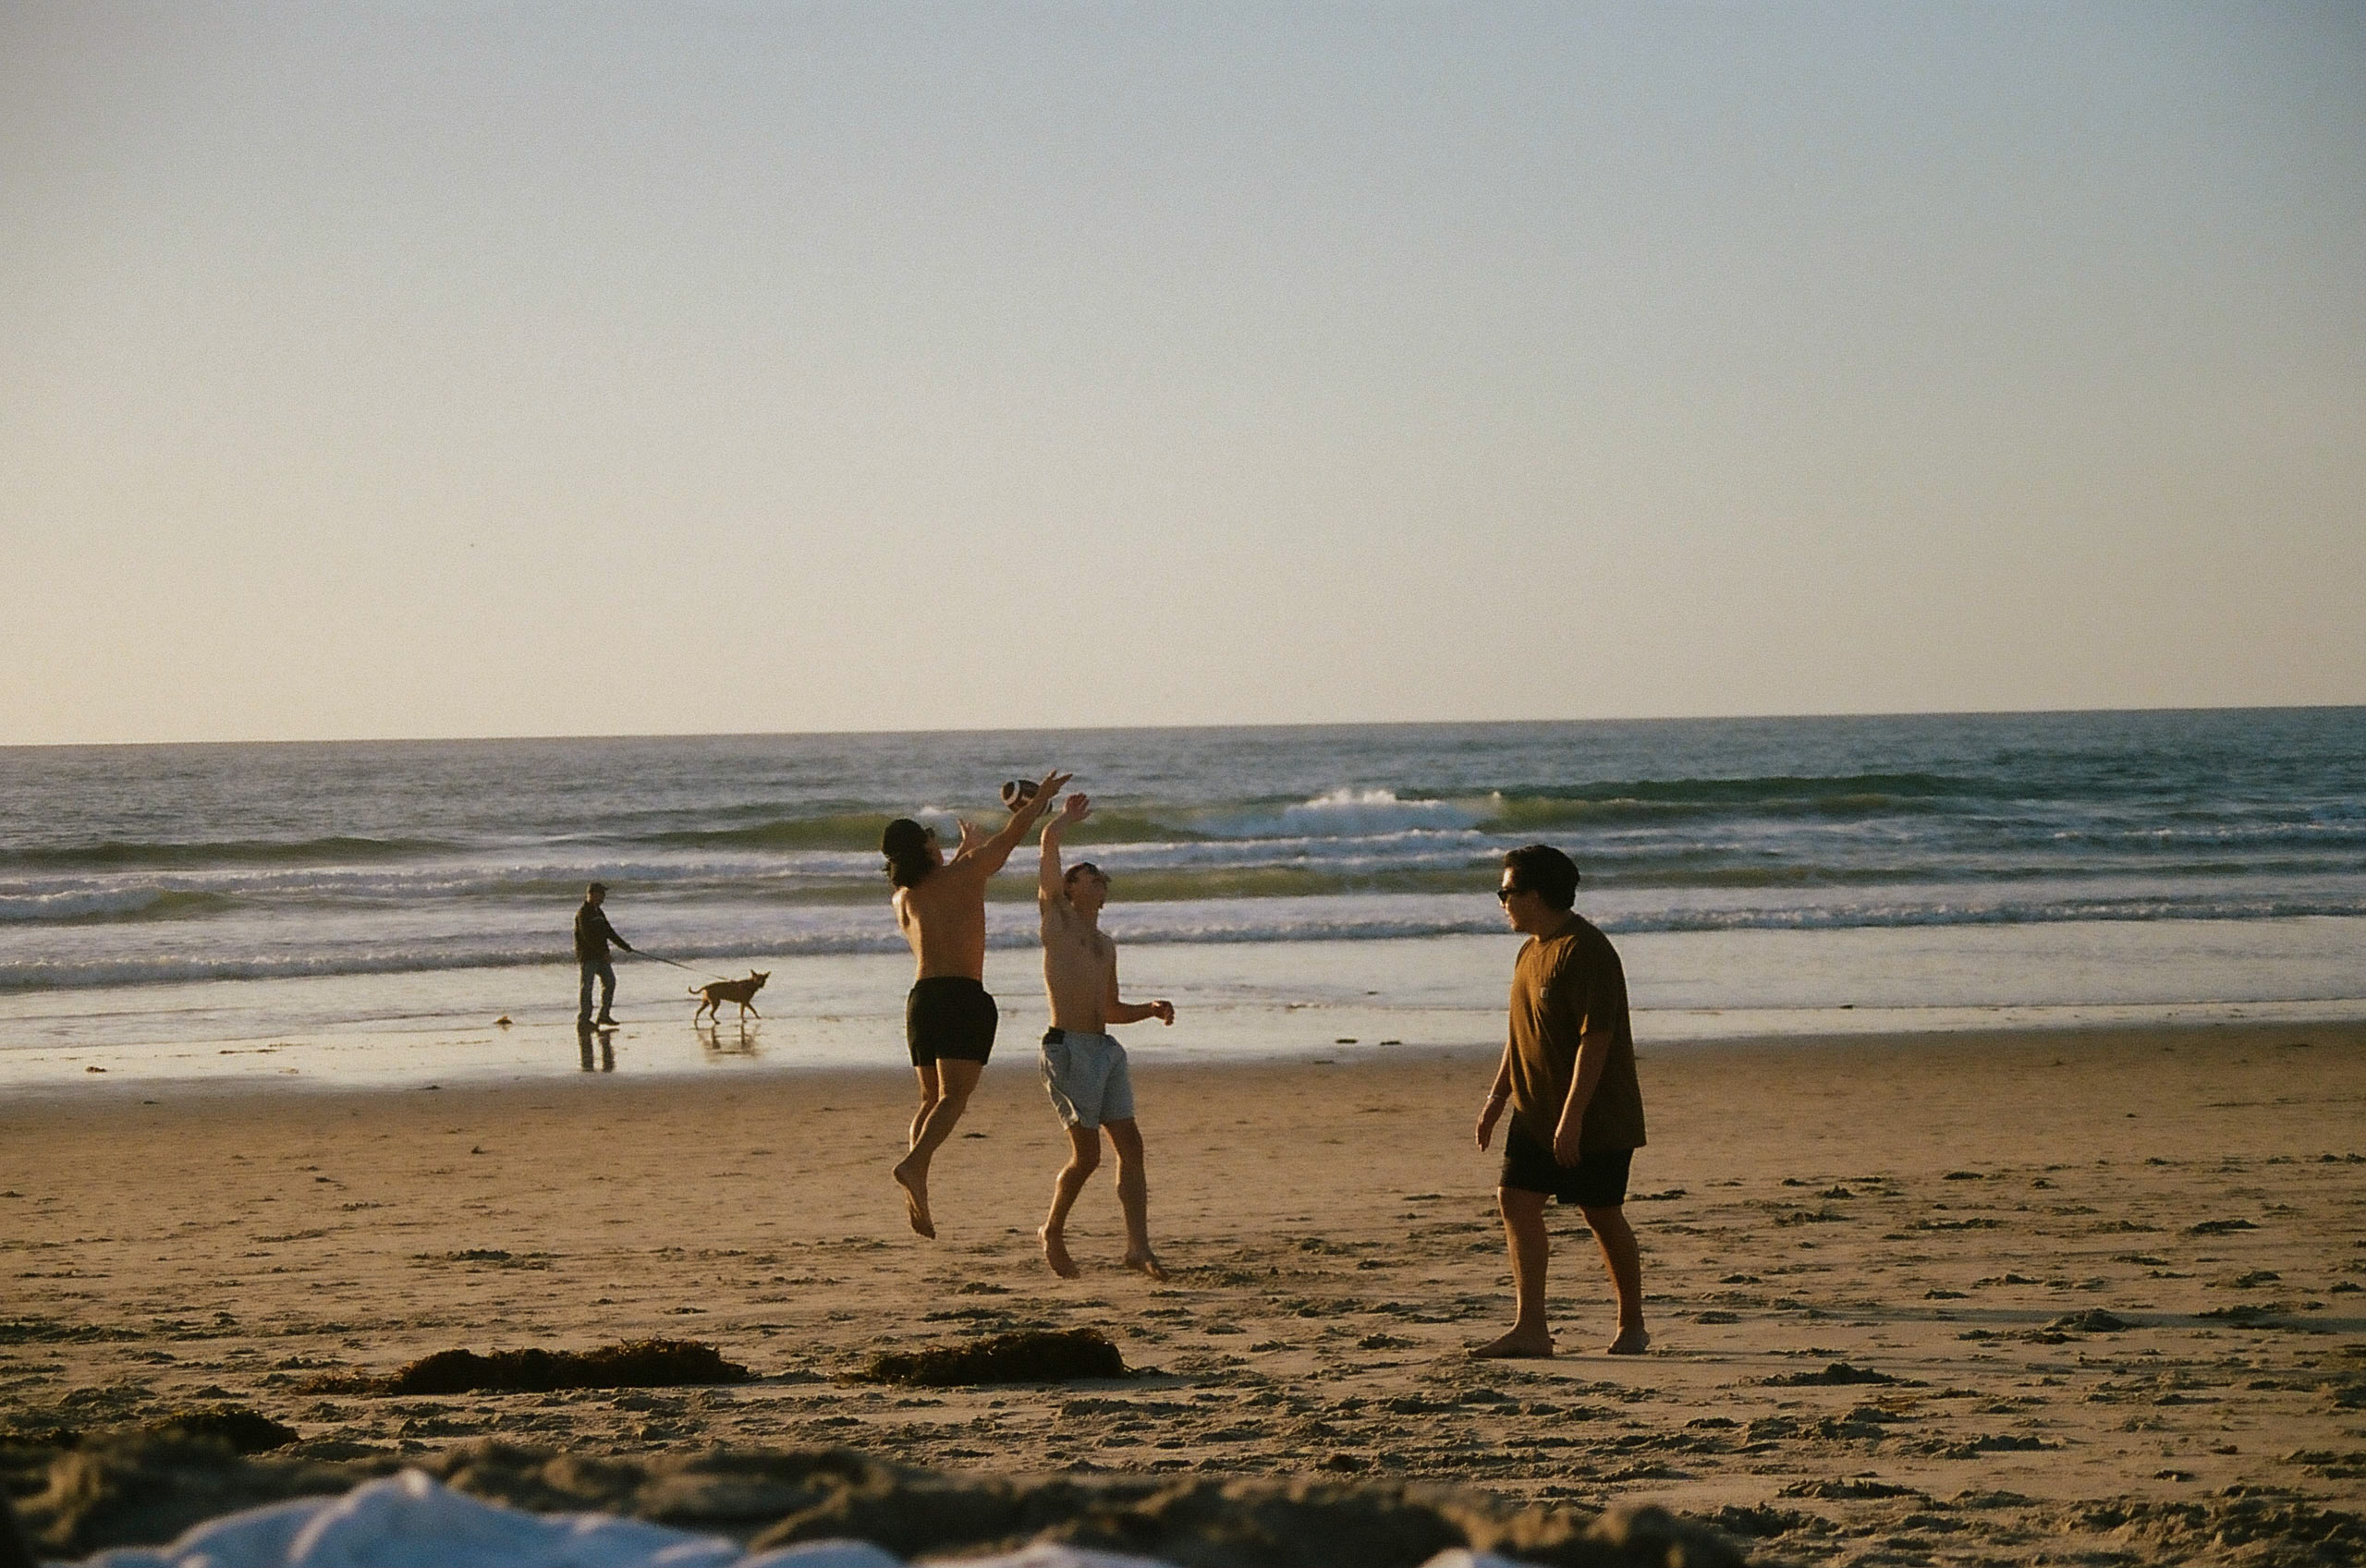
(355,909)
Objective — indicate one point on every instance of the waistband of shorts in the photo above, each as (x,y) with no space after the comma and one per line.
(960,983)
(1055,1034)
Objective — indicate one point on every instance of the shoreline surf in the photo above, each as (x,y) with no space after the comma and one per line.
(1266,1003)
(1773,875)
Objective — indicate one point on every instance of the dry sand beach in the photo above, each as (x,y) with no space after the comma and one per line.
(2097,1295)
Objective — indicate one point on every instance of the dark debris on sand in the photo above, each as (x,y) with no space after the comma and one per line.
(2246,1524)
(635,1364)
(1839,1374)
(240,1429)
(1850,1486)
(1024,1355)
(144,1489)
(45,1330)
(2094,1320)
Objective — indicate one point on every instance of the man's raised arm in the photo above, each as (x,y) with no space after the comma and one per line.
(990,856)
(1051,882)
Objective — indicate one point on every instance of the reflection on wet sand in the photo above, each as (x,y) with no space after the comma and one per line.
(584,1038)
(716,1040)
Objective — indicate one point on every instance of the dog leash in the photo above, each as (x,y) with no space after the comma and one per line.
(663,960)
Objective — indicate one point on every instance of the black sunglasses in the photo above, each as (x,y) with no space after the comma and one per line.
(1504,894)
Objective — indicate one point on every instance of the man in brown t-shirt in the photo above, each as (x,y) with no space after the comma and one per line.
(1569,1074)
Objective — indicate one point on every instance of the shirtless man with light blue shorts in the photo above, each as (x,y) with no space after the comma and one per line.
(1084,1068)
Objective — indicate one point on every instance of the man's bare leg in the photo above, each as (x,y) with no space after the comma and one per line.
(1625,1260)
(1084,1158)
(1133,1197)
(928,1100)
(956,1080)
(927,1076)
(1530,1246)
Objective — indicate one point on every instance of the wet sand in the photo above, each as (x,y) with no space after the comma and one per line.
(2103,1289)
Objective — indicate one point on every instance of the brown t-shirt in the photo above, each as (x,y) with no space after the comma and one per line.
(1559,984)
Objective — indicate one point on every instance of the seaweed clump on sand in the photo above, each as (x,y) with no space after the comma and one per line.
(635,1364)
(141,1486)
(238,1427)
(1024,1355)
(1838,1375)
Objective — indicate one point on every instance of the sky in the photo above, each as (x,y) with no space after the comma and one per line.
(393,369)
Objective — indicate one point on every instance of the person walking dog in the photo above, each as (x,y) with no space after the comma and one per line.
(592,935)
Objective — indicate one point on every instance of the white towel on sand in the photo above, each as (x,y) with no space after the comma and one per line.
(411,1520)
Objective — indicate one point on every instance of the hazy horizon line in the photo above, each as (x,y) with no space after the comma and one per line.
(1122,729)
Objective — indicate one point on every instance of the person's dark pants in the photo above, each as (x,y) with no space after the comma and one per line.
(605,973)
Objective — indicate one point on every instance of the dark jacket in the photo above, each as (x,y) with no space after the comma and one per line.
(592,935)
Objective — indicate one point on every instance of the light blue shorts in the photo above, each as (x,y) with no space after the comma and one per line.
(1087,1078)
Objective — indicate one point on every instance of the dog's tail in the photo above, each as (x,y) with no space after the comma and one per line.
(696,991)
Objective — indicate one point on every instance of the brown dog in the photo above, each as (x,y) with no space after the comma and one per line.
(741,991)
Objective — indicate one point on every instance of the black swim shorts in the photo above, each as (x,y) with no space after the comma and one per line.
(1597,1181)
(949,1015)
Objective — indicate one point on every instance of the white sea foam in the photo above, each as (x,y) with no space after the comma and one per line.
(78,903)
(1359,813)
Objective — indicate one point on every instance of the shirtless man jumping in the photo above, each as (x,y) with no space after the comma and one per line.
(948,1018)
(1084,1068)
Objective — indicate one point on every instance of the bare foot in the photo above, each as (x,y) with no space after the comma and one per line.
(1055,1253)
(1146,1262)
(1516,1346)
(916,1200)
(1632,1341)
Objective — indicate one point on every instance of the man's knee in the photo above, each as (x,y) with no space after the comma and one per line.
(1127,1140)
(1609,1220)
(1084,1158)
(1518,1204)
(957,1076)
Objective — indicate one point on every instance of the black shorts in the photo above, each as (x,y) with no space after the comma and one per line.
(1597,1181)
(949,1015)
